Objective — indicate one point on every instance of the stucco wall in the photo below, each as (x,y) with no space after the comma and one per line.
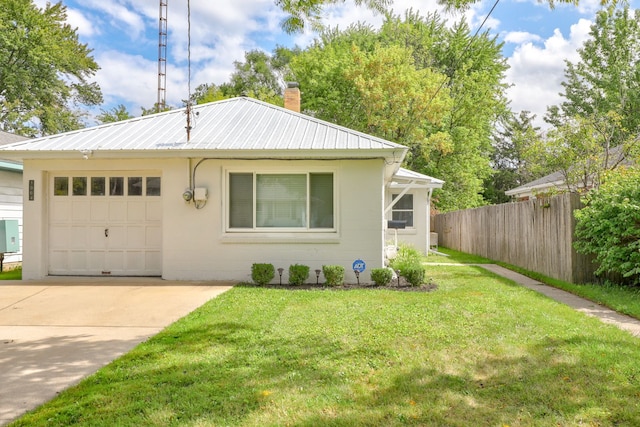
(196,245)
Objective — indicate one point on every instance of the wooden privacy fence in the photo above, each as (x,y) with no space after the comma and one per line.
(536,235)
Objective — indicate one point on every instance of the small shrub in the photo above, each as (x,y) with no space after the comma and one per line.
(407,257)
(262,274)
(298,274)
(333,274)
(414,274)
(382,276)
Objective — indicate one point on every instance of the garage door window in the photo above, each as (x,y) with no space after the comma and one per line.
(101,186)
(79,185)
(116,186)
(98,186)
(153,186)
(61,186)
(134,187)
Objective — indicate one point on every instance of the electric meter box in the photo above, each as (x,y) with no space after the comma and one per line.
(9,238)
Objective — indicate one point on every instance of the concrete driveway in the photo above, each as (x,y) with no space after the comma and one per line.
(56,331)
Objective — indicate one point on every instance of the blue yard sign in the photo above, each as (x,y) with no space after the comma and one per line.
(359,265)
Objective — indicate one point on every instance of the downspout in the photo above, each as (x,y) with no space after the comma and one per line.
(429,191)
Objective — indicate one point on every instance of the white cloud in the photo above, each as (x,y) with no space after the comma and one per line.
(537,71)
(85,27)
(521,37)
(127,77)
(118,16)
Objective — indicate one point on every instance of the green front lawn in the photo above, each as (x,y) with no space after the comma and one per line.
(478,351)
(11,274)
(623,299)
(455,257)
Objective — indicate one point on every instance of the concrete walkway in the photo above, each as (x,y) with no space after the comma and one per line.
(57,331)
(583,305)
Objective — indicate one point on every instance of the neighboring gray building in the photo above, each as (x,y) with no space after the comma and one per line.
(11,191)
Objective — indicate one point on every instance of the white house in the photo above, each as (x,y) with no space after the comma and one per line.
(251,182)
(11,192)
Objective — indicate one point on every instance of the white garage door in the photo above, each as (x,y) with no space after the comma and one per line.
(105,224)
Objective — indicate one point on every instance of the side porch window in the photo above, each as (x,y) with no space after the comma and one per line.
(280,201)
(403,209)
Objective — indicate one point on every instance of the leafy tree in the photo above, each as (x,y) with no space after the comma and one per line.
(396,97)
(261,76)
(596,127)
(44,70)
(513,140)
(256,74)
(154,109)
(116,114)
(208,92)
(607,77)
(475,69)
(320,71)
(609,225)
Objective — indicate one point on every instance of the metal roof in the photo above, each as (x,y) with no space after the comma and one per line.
(409,175)
(251,127)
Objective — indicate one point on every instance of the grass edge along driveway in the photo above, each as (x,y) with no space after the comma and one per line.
(477,351)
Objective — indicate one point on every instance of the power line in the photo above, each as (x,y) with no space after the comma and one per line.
(464,51)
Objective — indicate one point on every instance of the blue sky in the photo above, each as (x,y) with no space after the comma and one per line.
(124,37)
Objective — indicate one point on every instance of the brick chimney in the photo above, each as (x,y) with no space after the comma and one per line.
(292,97)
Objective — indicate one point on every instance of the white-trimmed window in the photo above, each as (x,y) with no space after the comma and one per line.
(288,201)
(403,209)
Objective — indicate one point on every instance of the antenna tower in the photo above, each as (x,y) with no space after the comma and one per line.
(162,57)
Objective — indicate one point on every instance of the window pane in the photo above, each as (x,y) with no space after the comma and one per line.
(241,200)
(79,185)
(116,186)
(403,216)
(60,186)
(134,187)
(281,200)
(406,202)
(321,203)
(153,186)
(403,209)
(98,186)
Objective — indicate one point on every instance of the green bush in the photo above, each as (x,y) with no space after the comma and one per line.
(333,274)
(262,274)
(407,257)
(382,276)
(298,274)
(609,225)
(414,274)
(409,262)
